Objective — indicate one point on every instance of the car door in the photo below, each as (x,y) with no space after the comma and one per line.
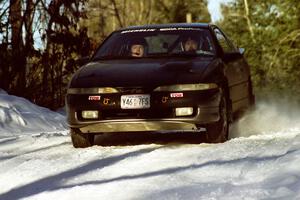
(236,70)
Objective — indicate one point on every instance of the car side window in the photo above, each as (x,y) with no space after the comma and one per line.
(224,43)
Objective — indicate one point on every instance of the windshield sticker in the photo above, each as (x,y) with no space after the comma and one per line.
(161,29)
(138,30)
(180,29)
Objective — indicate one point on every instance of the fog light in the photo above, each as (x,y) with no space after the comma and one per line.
(185,111)
(89,114)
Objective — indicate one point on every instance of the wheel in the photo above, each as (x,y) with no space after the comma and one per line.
(218,132)
(81,140)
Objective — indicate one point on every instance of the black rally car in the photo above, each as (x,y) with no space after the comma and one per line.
(168,77)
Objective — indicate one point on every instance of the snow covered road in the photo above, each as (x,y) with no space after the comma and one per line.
(262,161)
(48,167)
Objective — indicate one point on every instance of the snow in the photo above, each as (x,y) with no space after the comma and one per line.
(18,116)
(261,161)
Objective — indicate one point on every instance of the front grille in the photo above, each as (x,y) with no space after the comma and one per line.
(137,114)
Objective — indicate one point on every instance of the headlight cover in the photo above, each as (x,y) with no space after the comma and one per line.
(103,90)
(186,87)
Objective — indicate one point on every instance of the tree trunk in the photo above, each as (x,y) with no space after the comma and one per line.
(249,21)
(18,57)
(28,20)
(117,13)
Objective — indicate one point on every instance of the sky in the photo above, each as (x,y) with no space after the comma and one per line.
(215,9)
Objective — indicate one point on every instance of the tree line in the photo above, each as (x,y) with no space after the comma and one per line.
(270,33)
(40,40)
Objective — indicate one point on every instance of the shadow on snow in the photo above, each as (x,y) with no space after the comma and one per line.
(53,183)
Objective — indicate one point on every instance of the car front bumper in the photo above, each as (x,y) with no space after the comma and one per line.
(159,117)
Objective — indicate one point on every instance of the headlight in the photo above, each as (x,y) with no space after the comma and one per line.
(103,90)
(186,87)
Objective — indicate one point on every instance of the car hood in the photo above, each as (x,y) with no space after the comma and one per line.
(143,72)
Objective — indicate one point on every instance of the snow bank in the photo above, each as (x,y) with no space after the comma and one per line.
(20,116)
(2,91)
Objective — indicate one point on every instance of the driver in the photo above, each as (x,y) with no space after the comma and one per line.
(138,47)
(190,45)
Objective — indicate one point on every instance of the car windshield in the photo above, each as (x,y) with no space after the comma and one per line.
(162,42)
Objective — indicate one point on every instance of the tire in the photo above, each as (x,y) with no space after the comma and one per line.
(81,140)
(218,132)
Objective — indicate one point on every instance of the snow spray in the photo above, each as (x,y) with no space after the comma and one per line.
(269,116)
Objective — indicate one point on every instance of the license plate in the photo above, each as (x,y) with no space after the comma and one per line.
(135,101)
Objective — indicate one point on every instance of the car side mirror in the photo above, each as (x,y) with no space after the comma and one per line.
(242,51)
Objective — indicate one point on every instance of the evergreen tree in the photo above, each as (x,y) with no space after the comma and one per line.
(105,16)
(270,32)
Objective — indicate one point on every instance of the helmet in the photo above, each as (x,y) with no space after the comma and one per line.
(138,41)
(186,38)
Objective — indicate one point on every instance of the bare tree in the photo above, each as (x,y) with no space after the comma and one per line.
(249,23)
(19,60)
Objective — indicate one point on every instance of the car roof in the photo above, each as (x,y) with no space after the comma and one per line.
(174,25)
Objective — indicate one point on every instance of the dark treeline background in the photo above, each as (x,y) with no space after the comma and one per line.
(40,40)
